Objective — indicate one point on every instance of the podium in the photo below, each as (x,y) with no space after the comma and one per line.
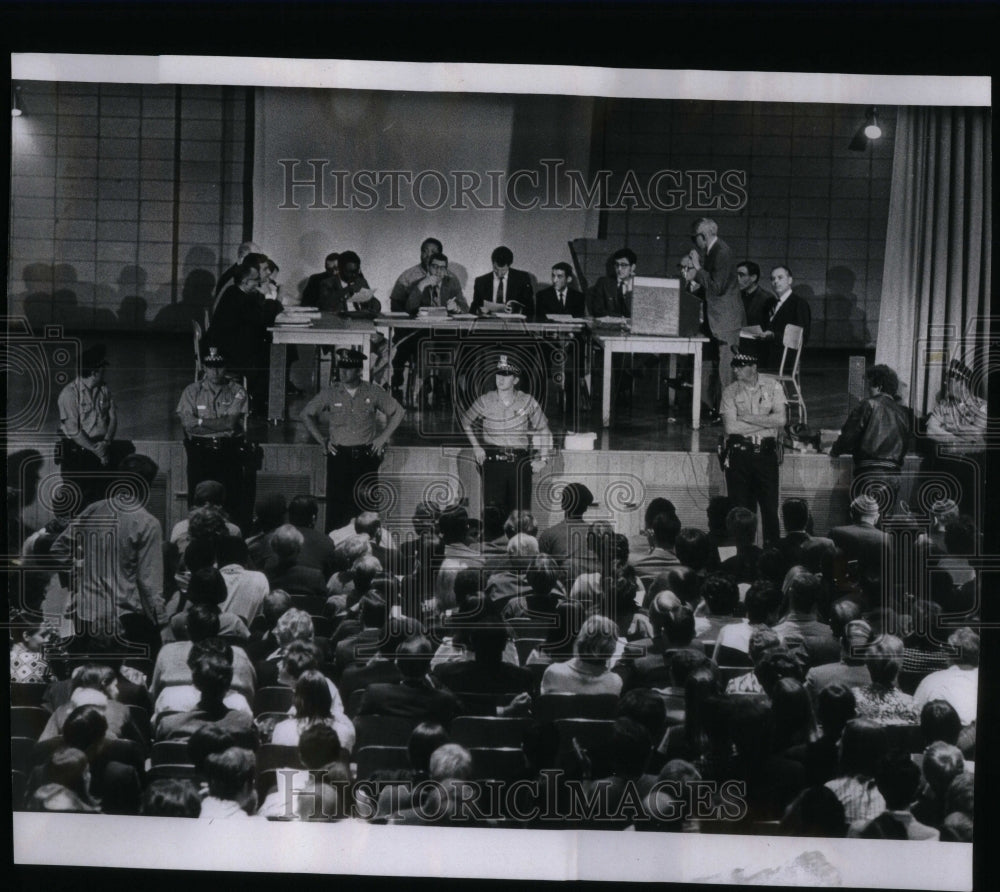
(663,307)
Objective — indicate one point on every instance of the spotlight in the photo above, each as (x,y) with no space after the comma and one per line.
(866,132)
(15,106)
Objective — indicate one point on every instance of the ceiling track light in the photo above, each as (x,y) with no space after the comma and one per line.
(16,109)
(866,132)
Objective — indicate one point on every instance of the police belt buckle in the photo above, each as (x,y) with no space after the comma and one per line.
(355,452)
(505,455)
(745,444)
(217,444)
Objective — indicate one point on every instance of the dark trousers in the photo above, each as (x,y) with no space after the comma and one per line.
(231,461)
(565,359)
(79,467)
(507,479)
(346,490)
(752,482)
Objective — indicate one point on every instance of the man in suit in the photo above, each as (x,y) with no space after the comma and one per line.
(861,541)
(315,283)
(564,300)
(788,309)
(504,285)
(613,296)
(799,546)
(712,277)
(757,300)
(409,277)
(229,276)
(335,291)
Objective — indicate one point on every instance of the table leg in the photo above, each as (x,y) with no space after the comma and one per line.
(696,389)
(276,384)
(606,402)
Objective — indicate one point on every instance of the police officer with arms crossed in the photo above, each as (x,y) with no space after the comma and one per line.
(753,412)
(212,412)
(512,422)
(353,448)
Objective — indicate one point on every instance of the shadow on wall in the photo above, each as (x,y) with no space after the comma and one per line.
(846,320)
(54,295)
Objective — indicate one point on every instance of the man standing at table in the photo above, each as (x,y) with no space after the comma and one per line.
(504,286)
(713,279)
(516,440)
(753,412)
(212,411)
(354,448)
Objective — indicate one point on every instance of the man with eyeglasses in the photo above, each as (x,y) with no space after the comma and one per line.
(516,439)
(613,297)
(712,277)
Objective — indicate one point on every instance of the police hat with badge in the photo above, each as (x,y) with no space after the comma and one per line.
(507,366)
(349,358)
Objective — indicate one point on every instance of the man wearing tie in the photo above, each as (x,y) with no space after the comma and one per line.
(788,309)
(510,287)
(562,300)
(613,297)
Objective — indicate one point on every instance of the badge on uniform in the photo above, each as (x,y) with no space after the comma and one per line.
(338,405)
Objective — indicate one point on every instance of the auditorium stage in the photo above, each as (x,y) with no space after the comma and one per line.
(644,453)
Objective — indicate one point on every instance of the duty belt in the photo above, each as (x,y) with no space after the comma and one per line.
(217,444)
(355,452)
(740,443)
(505,453)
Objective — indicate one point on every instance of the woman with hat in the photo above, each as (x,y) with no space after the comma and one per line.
(516,439)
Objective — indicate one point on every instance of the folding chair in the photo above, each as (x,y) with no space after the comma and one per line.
(552,707)
(170,752)
(381,758)
(792,340)
(383,730)
(525,646)
(488,731)
(498,763)
(28,721)
(273,699)
(180,771)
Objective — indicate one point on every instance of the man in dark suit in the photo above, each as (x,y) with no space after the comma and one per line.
(334,292)
(504,285)
(229,276)
(417,696)
(757,300)
(712,277)
(613,296)
(788,309)
(314,284)
(861,541)
(564,300)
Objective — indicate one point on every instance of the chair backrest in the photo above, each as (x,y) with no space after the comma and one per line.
(198,333)
(530,627)
(551,707)
(18,786)
(274,755)
(791,340)
(27,693)
(525,646)
(381,758)
(498,763)
(170,752)
(273,699)
(592,735)
(383,730)
(22,754)
(28,721)
(168,769)
(488,731)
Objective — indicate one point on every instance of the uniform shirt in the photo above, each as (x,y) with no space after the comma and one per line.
(513,426)
(205,400)
(767,397)
(352,418)
(86,409)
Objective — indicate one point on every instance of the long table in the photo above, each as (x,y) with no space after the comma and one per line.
(625,342)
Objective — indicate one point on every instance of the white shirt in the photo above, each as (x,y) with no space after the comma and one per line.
(960,687)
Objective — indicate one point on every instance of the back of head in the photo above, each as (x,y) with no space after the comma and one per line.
(961,795)
(762,602)
(965,643)
(209,738)
(494,525)
(413,657)
(884,378)
(804,590)
(774,664)
(716,512)
(721,594)
(939,721)
(319,745)
(771,565)
(364,571)
(94,676)
(656,506)
(665,528)
(520,522)
(199,554)
(685,663)
(942,764)
(276,602)
(202,621)
(232,550)
(293,625)
(835,707)
(454,524)
(843,611)
(885,657)
(560,638)
(741,525)
(679,627)
(488,642)
(646,707)
(862,747)
(369,524)
(596,640)
(693,548)
(141,465)
(212,674)
(207,522)
(543,575)
(301,656)
(815,812)
(302,511)
(684,582)
(794,514)
(373,610)
(450,762)
(313,699)
(856,641)
(522,545)
(424,740)
(897,779)
(207,586)
(269,512)
(84,727)
(957,827)
(171,797)
(662,604)
(230,772)
(209,492)
(286,542)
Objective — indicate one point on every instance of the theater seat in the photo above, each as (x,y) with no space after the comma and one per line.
(488,731)
(381,758)
(550,707)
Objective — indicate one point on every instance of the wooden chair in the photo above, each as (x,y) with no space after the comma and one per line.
(552,707)
(525,646)
(792,340)
(273,699)
(498,763)
(383,730)
(381,758)
(27,693)
(488,731)
(28,721)
(170,752)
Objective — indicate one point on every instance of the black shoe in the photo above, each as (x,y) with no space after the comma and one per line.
(712,419)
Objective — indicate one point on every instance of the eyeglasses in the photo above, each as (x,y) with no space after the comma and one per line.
(622,263)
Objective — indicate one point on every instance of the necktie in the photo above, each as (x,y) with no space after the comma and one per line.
(562,298)
(435,296)
(621,299)
(500,290)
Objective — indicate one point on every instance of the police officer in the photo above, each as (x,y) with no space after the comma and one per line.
(753,412)
(512,425)
(88,419)
(354,448)
(212,411)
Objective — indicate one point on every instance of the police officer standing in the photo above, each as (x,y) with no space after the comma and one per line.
(513,424)
(753,412)
(212,412)
(88,419)
(354,448)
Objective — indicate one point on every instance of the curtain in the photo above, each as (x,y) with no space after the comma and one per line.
(936,280)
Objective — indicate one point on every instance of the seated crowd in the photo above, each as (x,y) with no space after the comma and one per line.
(381,676)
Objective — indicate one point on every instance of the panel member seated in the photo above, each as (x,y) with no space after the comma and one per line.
(563,300)
(613,296)
(428,248)
(511,287)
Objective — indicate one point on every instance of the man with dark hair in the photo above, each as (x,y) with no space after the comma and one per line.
(563,300)
(231,793)
(877,434)
(317,551)
(348,289)
(486,673)
(675,625)
(939,721)
(118,590)
(314,284)
(612,296)
(285,571)
(661,535)
(863,544)
(417,695)
(428,248)
(381,668)
(757,300)
(803,591)
(851,669)
(504,290)
(458,555)
(568,538)
(798,545)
